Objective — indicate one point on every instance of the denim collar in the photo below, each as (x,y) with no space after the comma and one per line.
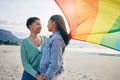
(58,32)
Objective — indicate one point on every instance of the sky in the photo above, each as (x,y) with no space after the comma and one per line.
(14,13)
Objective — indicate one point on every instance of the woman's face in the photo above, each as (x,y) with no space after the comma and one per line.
(51,25)
(35,27)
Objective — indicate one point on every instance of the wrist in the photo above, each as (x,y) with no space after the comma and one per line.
(36,75)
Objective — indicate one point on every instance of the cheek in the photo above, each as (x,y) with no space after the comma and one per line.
(34,29)
(50,27)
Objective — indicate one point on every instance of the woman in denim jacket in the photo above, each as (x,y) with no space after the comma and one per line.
(51,64)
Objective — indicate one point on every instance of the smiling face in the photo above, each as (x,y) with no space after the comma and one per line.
(36,26)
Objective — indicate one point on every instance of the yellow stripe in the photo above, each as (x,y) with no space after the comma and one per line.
(95,38)
(107,14)
(88,10)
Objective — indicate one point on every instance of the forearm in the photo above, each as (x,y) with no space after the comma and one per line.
(28,68)
(51,72)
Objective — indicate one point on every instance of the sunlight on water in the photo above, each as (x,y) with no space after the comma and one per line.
(97,51)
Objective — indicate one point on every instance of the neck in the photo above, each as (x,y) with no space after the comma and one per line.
(33,35)
(55,30)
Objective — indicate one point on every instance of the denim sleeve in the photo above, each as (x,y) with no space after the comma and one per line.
(55,58)
(42,66)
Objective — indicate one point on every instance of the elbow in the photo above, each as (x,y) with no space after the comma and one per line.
(25,65)
(54,66)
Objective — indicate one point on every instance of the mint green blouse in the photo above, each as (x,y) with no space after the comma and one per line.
(31,55)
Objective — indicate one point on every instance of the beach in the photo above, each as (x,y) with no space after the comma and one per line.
(78,66)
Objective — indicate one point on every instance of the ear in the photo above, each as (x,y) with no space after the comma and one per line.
(30,27)
(54,23)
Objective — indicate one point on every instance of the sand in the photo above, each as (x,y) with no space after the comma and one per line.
(77,66)
(10,64)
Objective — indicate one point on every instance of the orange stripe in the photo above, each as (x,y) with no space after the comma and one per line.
(88,10)
(80,15)
(71,12)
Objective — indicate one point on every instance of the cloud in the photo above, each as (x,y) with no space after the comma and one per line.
(8,1)
(3,22)
(6,22)
(14,13)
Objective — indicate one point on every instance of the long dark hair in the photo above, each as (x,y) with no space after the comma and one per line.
(61,27)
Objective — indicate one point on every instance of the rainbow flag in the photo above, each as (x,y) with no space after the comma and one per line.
(96,21)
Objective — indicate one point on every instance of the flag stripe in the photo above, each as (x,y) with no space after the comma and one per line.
(117,46)
(110,39)
(88,10)
(116,26)
(68,11)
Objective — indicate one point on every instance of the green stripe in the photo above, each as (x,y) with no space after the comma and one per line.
(116,26)
(109,39)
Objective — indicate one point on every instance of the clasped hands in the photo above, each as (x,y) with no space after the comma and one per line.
(40,77)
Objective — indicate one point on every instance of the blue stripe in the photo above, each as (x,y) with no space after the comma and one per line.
(117,46)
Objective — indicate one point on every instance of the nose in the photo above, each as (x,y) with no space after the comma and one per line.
(40,26)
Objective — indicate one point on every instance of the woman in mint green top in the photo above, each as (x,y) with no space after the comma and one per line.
(31,50)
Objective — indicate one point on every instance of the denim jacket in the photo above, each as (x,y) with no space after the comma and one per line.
(51,62)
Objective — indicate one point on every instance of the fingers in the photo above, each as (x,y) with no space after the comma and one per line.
(40,77)
(43,77)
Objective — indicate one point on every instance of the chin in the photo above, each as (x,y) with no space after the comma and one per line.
(38,32)
(49,30)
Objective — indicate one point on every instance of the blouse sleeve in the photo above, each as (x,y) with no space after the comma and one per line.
(24,59)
